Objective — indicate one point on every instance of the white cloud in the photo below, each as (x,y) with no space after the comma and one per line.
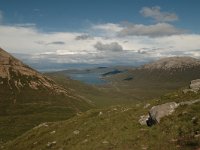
(62,47)
(107,29)
(155,13)
(30,40)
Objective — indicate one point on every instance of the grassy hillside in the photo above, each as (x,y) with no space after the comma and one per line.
(101,96)
(131,86)
(117,128)
(28,98)
(25,109)
(145,84)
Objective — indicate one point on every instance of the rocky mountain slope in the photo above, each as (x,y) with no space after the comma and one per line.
(173,63)
(16,77)
(26,93)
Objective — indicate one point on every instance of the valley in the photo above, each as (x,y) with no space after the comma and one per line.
(53,110)
(99,75)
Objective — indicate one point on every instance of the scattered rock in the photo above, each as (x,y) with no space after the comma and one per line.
(41,125)
(123,109)
(143,119)
(53,132)
(105,142)
(147,105)
(174,140)
(137,105)
(79,114)
(142,129)
(50,144)
(35,143)
(115,109)
(189,102)
(144,147)
(100,113)
(85,141)
(194,86)
(197,136)
(76,132)
(160,111)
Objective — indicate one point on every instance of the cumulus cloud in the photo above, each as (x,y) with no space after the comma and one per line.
(117,43)
(157,30)
(83,37)
(155,13)
(114,46)
(31,40)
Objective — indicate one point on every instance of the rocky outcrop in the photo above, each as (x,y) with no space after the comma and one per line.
(143,119)
(160,111)
(194,86)
(156,113)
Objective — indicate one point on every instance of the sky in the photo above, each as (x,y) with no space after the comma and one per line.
(115,32)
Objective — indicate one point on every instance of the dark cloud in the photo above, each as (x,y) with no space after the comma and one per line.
(83,37)
(156,30)
(50,43)
(57,43)
(155,13)
(114,46)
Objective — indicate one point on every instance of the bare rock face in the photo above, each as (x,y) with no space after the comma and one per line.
(160,111)
(143,119)
(173,63)
(194,86)
(156,113)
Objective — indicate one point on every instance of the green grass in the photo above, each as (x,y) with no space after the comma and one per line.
(119,127)
(21,110)
(145,85)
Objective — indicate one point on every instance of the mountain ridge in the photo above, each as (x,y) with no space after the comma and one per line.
(28,98)
(173,63)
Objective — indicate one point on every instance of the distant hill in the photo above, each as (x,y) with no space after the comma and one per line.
(171,63)
(157,78)
(24,91)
